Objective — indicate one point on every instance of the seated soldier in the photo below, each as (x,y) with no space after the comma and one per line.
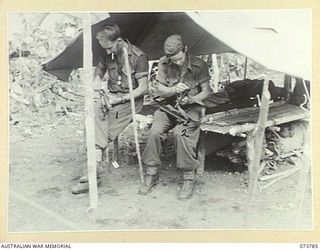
(109,124)
(183,80)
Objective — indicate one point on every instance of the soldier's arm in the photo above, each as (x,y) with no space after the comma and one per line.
(141,74)
(160,89)
(99,72)
(164,91)
(202,95)
(100,69)
(204,78)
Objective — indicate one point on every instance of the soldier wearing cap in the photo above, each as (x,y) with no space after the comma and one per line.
(109,126)
(178,72)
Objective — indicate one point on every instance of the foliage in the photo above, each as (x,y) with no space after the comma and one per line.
(31,88)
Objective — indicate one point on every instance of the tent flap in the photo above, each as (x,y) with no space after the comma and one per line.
(278,39)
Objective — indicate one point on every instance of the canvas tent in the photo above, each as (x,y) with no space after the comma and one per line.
(146,30)
(277,39)
(280,40)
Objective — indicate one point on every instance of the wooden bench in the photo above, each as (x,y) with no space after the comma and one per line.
(241,122)
(237,122)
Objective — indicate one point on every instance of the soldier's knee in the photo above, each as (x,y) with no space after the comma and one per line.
(158,129)
(177,132)
(155,132)
(98,113)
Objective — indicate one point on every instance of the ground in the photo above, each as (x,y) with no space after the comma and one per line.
(47,157)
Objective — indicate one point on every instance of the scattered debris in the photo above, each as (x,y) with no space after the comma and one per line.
(280,145)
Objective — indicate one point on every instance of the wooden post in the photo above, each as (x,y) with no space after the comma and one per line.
(250,159)
(216,73)
(287,87)
(89,111)
(245,68)
(228,68)
(254,151)
(201,154)
(135,126)
(259,136)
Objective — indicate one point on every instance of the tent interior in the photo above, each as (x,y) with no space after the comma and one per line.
(261,36)
(207,33)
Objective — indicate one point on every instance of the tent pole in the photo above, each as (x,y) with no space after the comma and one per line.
(287,87)
(245,68)
(254,151)
(135,127)
(216,73)
(89,111)
(228,68)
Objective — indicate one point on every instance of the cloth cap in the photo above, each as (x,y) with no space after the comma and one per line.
(173,45)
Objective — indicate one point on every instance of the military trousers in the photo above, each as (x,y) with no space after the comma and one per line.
(108,126)
(185,139)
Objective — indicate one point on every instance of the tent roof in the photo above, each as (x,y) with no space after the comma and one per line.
(277,39)
(280,40)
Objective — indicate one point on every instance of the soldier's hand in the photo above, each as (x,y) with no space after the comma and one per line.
(180,87)
(186,100)
(152,90)
(112,99)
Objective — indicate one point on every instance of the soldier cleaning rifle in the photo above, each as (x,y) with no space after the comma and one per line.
(183,81)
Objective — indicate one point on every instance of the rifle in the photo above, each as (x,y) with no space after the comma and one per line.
(173,112)
(106,106)
(181,96)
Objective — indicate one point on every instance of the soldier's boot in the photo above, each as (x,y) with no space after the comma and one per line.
(187,189)
(100,172)
(83,185)
(150,180)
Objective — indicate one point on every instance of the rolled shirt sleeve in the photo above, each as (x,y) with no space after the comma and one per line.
(204,75)
(101,67)
(142,67)
(161,74)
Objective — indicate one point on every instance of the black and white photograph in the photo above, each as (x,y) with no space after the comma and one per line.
(211,131)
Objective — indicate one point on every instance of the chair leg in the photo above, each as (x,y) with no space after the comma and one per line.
(201,155)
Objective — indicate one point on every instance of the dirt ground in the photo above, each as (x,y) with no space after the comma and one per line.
(47,157)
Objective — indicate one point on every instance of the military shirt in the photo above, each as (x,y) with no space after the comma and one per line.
(116,71)
(193,74)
